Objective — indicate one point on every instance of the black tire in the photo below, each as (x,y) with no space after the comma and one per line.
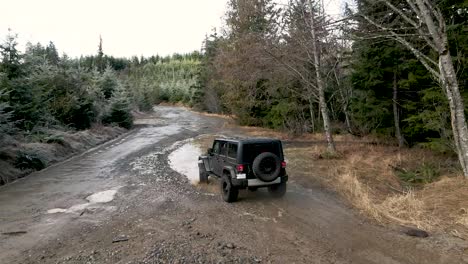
(203,174)
(228,192)
(277,190)
(266,166)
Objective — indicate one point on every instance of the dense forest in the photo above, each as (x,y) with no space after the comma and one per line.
(393,69)
(40,89)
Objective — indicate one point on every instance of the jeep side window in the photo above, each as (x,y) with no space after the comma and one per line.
(223,149)
(216,147)
(232,150)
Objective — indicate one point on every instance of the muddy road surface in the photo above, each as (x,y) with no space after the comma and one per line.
(125,202)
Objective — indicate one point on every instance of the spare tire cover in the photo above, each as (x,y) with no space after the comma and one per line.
(266,166)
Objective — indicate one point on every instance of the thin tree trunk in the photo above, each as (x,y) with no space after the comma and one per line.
(396,116)
(312,114)
(458,120)
(448,80)
(321,92)
(347,119)
(344,101)
(345,111)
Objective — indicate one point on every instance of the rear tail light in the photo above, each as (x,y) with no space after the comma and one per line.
(240,168)
(283,164)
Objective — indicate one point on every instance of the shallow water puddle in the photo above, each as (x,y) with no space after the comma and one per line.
(184,160)
(56,210)
(102,197)
(93,199)
(170,115)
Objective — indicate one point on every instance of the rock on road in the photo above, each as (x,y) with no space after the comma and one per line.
(122,203)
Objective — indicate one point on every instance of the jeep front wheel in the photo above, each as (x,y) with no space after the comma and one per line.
(228,191)
(203,174)
(277,190)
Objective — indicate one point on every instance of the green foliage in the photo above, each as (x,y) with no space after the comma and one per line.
(425,173)
(25,161)
(119,115)
(7,126)
(40,90)
(330,155)
(440,145)
(11,58)
(57,139)
(119,112)
(108,82)
(171,79)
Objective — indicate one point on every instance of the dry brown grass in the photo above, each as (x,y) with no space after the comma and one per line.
(230,117)
(407,209)
(365,176)
(382,206)
(357,194)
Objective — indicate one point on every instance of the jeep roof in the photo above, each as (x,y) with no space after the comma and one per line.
(249,140)
(246,154)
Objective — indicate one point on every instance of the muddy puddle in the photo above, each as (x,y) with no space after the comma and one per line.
(93,201)
(184,160)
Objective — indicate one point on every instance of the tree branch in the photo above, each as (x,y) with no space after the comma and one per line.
(425,60)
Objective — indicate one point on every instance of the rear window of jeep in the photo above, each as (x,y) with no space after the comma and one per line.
(252,150)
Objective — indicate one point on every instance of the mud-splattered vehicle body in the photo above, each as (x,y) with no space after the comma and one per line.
(245,163)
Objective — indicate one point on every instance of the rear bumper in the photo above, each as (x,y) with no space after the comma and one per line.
(244,183)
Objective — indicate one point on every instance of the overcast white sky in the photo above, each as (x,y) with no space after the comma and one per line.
(128,27)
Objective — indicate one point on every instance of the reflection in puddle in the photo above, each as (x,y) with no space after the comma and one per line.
(184,160)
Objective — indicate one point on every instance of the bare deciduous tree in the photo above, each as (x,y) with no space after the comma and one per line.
(320,83)
(421,24)
(303,50)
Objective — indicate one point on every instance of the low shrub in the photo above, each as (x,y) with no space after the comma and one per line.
(119,114)
(58,139)
(425,173)
(25,161)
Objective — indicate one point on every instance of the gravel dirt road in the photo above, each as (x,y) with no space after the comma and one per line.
(123,203)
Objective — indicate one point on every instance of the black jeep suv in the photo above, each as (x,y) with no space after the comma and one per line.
(245,163)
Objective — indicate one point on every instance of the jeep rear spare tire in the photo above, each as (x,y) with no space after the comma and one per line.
(266,166)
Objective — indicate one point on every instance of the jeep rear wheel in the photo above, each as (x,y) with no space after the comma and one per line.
(277,190)
(228,191)
(267,166)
